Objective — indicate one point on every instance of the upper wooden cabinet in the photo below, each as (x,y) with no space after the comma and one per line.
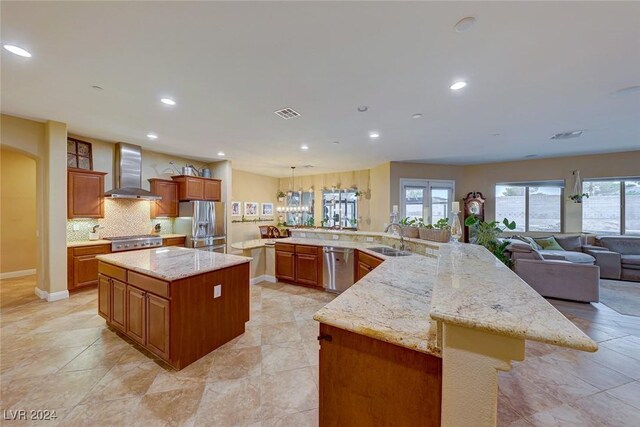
(168,205)
(85,190)
(198,188)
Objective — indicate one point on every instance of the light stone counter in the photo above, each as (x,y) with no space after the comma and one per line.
(475,290)
(82,243)
(172,263)
(253,244)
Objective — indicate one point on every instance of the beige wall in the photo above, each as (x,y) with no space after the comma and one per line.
(380,196)
(484,177)
(18,212)
(250,187)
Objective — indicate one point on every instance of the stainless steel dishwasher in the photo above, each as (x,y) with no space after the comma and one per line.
(338,269)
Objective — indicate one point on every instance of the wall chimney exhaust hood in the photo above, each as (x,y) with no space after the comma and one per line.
(128,168)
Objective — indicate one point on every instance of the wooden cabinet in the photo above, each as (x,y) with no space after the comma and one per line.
(136,314)
(179,321)
(174,241)
(85,193)
(365,381)
(198,188)
(364,263)
(299,264)
(82,265)
(168,205)
(157,311)
(118,304)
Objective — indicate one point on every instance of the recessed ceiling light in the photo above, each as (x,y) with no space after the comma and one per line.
(465,24)
(568,135)
(374,135)
(627,90)
(304,147)
(416,116)
(363,108)
(336,142)
(152,136)
(96,87)
(495,134)
(221,153)
(458,85)
(17,50)
(168,101)
(530,156)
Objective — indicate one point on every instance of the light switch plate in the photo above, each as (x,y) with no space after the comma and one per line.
(76,227)
(336,237)
(217,291)
(369,239)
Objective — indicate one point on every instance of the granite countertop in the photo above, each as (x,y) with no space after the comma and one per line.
(253,244)
(403,300)
(108,242)
(352,233)
(475,290)
(172,263)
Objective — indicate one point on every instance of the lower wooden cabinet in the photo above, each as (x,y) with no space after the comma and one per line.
(299,264)
(82,265)
(157,315)
(136,314)
(174,241)
(364,263)
(104,296)
(118,305)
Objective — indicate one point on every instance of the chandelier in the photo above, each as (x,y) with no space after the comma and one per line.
(291,206)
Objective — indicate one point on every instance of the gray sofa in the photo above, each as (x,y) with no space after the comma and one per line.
(617,256)
(569,274)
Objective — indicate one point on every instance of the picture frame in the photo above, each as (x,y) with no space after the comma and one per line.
(251,208)
(266,209)
(236,208)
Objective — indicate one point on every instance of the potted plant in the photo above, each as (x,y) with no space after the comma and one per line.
(577,198)
(486,234)
(438,232)
(281,196)
(410,227)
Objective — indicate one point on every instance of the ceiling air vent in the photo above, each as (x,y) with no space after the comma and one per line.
(287,113)
(567,135)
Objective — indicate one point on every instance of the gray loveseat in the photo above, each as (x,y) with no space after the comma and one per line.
(617,256)
(566,274)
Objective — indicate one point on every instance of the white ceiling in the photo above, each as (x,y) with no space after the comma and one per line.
(533,69)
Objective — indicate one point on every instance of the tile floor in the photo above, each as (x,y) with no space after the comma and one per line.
(60,356)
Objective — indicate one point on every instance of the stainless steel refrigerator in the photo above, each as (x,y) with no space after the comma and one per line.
(204,224)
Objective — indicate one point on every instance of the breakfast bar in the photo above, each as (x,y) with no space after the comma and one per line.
(180,304)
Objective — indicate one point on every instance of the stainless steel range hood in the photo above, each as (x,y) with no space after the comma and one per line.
(128,168)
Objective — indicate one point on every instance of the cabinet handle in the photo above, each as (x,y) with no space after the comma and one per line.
(325,337)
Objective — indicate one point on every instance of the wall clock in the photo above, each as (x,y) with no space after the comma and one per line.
(473,205)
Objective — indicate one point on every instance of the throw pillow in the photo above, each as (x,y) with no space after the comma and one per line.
(570,243)
(549,244)
(528,240)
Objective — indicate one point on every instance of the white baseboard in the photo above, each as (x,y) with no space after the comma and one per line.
(55,296)
(21,273)
(263,278)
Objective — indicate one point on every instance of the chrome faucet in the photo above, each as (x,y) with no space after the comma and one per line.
(395,224)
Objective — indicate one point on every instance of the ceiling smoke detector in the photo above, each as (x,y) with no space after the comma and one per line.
(568,135)
(287,113)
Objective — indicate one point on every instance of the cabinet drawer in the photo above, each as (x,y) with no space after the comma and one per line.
(91,250)
(174,241)
(372,261)
(112,271)
(149,284)
(285,247)
(304,249)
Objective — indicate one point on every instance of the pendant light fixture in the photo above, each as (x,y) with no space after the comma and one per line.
(291,205)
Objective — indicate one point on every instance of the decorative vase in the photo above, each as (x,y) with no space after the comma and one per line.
(456,228)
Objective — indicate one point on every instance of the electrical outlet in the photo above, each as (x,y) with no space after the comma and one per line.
(336,237)
(217,291)
(369,239)
(76,227)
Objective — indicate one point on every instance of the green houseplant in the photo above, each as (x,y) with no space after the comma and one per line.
(486,234)
(438,232)
(577,198)
(410,226)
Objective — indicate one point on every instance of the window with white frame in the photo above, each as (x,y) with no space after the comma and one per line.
(613,206)
(533,206)
(427,199)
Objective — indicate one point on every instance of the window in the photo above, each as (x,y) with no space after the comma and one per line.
(534,206)
(613,206)
(429,200)
(340,208)
(300,198)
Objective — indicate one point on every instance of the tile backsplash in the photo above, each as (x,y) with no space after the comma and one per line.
(122,217)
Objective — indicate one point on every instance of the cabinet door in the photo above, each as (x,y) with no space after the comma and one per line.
(212,190)
(104,296)
(362,270)
(168,205)
(285,266)
(85,194)
(118,304)
(158,325)
(194,188)
(85,270)
(307,269)
(136,308)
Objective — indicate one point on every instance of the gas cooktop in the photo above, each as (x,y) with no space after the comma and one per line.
(127,243)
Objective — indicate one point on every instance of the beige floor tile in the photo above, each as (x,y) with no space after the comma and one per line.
(234,364)
(277,397)
(170,408)
(124,381)
(525,397)
(280,332)
(230,403)
(276,315)
(628,393)
(283,357)
(118,412)
(308,418)
(607,410)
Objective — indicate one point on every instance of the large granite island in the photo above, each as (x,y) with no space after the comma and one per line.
(178,303)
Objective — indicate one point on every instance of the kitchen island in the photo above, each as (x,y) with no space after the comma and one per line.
(178,303)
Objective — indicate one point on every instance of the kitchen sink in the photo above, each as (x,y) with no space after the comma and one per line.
(389,251)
